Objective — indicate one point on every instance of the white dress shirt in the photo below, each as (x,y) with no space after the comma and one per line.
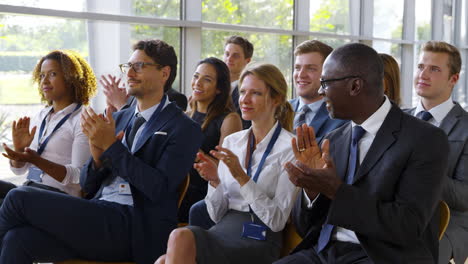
(68,146)
(271,197)
(438,113)
(314,107)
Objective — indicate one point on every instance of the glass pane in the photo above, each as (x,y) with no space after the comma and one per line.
(157,8)
(448,21)
(388,19)
(270,48)
(461,89)
(75,5)
(259,13)
(423,19)
(389,48)
(330,16)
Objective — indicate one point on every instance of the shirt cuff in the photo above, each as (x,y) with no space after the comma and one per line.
(306,200)
(72,176)
(21,170)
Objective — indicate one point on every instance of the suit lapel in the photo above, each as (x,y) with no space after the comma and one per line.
(385,137)
(166,114)
(125,119)
(341,151)
(320,117)
(295,104)
(451,119)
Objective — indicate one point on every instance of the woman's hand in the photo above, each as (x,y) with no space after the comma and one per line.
(232,162)
(207,169)
(22,138)
(27,155)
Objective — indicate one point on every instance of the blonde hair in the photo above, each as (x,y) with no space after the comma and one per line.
(77,73)
(454,62)
(391,78)
(278,88)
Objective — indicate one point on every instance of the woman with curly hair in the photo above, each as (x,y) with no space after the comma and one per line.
(51,147)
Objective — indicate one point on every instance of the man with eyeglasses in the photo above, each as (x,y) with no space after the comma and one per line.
(309,107)
(139,158)
(437,73)
(375,184)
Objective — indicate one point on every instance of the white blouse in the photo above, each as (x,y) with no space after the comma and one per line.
(271,197)
(68,146)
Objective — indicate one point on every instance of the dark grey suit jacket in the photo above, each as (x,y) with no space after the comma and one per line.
(391,205)
(455,192)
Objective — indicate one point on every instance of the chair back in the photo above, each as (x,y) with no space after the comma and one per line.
(444,218)
(182,189)
(290,238)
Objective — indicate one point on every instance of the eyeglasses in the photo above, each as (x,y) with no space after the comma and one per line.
(137,66)
(324,82)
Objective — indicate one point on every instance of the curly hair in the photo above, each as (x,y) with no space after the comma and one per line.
(77,73)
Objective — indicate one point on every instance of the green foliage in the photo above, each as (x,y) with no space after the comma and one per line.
(331,17)
(14,62)
(18,89)
(157,8)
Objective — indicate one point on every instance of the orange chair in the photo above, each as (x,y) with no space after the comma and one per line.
(182,189)
(290,239)
(444,218)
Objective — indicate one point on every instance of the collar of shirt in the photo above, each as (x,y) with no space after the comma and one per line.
(314,107)
(439,112)
(62,112)
(375,121)
(146,114)
(234,84)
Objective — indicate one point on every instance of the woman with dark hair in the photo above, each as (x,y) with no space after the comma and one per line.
(249,196)
(53,156)
(212,108)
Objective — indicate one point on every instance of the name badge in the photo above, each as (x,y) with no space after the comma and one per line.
(35,174)
(254,231)
(124,188)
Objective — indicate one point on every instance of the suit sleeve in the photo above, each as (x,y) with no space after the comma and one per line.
(91,178)
(403,219)
(156,180)
(455,191)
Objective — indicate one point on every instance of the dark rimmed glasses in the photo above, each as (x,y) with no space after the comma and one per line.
(137,66)
(323,82)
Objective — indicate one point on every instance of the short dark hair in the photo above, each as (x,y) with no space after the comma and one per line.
(161,53)
(310,46)
(361,60)
(246,46)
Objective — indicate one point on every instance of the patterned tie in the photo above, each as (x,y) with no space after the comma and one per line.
(424,115)
(136,125)
(302,116)
(358,132)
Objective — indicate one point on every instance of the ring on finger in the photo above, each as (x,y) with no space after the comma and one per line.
(301,149)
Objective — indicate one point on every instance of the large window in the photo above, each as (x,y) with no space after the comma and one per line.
(330,16)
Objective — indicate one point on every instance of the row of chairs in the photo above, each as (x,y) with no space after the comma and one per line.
(290,237)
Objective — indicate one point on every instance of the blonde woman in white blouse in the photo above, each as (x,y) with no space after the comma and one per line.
(249,195)
(51,147)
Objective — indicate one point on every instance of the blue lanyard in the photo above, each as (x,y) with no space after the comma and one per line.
(41,130)
(265,154)
(152,119)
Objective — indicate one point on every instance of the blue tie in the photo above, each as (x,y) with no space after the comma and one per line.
(425,115)
(327,230)
(302,116)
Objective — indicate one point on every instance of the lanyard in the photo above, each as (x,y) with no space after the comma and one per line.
(265,154)
(41,130)
(152,119)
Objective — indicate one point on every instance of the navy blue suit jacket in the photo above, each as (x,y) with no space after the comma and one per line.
(391,204)
(322,123)
(163,156)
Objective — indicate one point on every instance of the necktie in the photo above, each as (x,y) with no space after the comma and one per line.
(425,115)
(357,134)
(302,116)
(139,120)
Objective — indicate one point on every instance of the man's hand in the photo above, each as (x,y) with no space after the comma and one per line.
(306,149)
(100,130)
(22,138)
(316,180)
(116,96)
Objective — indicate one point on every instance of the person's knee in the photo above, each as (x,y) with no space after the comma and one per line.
(161,260)
(13,240)
(16,195)
(180,236)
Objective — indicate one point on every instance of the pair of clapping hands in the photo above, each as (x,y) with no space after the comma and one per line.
(312,170)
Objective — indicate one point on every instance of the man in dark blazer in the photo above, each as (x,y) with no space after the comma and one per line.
(371,199)
(437,73)
(131,179)
(310,107)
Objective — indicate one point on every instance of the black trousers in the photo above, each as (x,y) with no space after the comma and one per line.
(335,253)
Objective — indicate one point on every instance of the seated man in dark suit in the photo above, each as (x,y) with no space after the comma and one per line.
(310,107)
(371,196)
(437,73)
(131,179)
